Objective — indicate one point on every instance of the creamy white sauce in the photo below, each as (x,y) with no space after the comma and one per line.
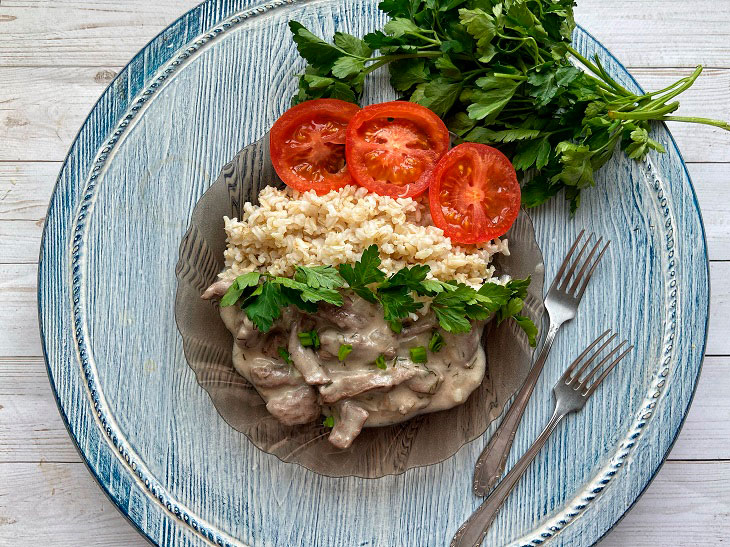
(355,391)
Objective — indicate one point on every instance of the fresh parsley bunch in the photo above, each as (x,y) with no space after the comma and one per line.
(455,305)
(500,72)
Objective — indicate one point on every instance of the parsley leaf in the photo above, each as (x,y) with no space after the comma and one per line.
(317,277)
(365,272)
(397,303)
(238,287)
(329,421)
(439,95)
(265,308)
(529,327)
(411,278)
(400,26)
(352,44)
(407,73)
(380,362)
(481,26)
(344,67)
(309,294)
(452,319)
(316,51)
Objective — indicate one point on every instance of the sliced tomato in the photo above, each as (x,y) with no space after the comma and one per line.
(307,145)
(474,193)
(392,148)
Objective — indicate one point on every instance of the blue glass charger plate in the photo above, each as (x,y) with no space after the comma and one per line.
(207,86)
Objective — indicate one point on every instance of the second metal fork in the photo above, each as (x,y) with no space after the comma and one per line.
(570,393)
(561,304)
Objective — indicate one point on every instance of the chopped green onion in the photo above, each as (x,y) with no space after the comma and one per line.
(436,343)
(284,354)
(380,362)
(418,354)
(344,351)
(329,421)
(309,339)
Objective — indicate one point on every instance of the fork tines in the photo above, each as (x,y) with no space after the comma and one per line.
(581,380)
(587,266)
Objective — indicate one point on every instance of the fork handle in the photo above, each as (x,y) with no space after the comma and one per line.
(491,461)
(472,532)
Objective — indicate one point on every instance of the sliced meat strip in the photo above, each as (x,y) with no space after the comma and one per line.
(425,381)
(306,361)
(270,374)
(344,317)
(424,324)
(349,426)
(355,383)
(461,350)
(366,345)
(295,406)
(217,289)
(247,335)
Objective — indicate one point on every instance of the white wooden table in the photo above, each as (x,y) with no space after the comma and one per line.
(56,58)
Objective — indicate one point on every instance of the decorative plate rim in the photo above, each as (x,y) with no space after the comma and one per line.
(163,70)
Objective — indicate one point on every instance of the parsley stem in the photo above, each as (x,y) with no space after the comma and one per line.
(705,121)
(515,77)
(434,41)
(574,52)
(644,114)
(681,89)
(385,59)
(604,80)
(664,90)
(621,90)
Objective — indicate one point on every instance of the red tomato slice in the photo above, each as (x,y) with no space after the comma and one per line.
(474,194)
(392,148)
(307,145)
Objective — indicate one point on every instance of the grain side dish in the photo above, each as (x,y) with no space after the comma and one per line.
(289,228)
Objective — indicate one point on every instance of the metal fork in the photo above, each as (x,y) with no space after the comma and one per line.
(561,304)
(570,394)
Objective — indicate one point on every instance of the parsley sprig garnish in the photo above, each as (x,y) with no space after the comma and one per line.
(455,305)
(499,72)
(263,302)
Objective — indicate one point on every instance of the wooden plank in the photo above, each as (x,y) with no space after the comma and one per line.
(21,241)
(706,431)
(103,32)
(42,123)
(687,502)
(25,189)
(670,33)
(718,342)
(42,109)
(18,312)
(31,428)
(109,33)
(686,505)
(712,184)
(60,505)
